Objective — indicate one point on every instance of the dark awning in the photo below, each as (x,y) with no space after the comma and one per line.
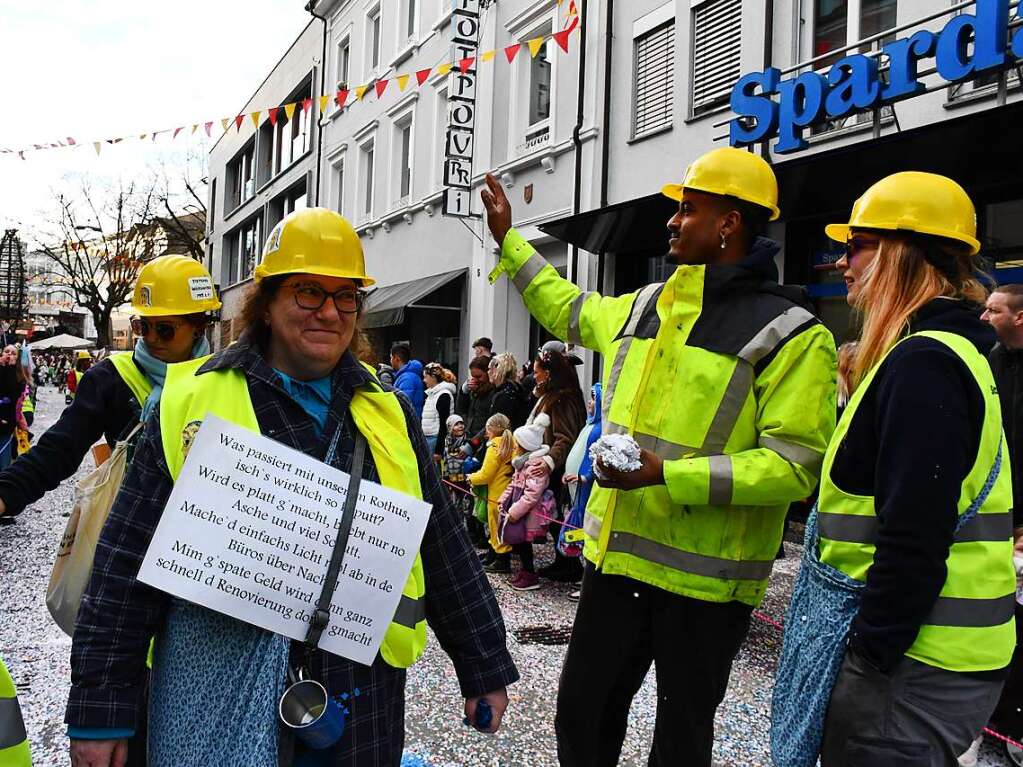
(623,227)
(386,306)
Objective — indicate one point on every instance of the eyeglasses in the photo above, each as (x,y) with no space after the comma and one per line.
(164,330)
(313,297)
(859,244)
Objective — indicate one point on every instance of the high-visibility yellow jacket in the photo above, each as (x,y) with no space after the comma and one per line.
(971,627)
(189,396)
(725,377)
(13,740)
(133,378)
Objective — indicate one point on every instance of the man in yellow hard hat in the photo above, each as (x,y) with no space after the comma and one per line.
(727,382)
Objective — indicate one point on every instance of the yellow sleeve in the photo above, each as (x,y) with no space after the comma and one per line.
(488,471)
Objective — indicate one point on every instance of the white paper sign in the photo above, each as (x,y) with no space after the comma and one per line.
(249,529)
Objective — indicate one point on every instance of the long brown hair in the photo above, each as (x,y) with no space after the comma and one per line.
(256,304)
(899,281)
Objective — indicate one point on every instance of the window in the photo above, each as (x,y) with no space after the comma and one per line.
(240,174)
(344,63)
(339,185)
(440,132)
(540,84)
(717,33)
(838,23)
(655,79)
(212,210)
(296,200)
(411,18)
(403,135)
(373,38)
(367,175)
(241,250)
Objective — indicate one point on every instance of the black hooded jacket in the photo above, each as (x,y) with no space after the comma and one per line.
(910,445)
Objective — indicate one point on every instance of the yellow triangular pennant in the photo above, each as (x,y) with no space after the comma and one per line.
(402,82)
(97,145)
(360,91)
(224,122)
(255,118)
(195,127)
(289,110)
(535,45)
(324,100)
(143,137)
(444,69)
(487,56)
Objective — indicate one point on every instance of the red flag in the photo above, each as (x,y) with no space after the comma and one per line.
(273,115)
(207,126)
(341,98)
(422,75)
(512,51)
(70,141)
(238,122)
(381,86)
(466,63)
(176,132)
(307,104)
(561,38)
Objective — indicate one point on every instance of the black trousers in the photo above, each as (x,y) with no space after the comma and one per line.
(621,626)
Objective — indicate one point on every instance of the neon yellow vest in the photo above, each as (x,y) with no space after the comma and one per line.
(971,627)
(188,397)
(134,378)
(13,740)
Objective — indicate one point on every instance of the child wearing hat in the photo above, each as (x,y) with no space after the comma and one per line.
(526,506)
(454,469)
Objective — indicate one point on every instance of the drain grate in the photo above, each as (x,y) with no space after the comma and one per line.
(543,634)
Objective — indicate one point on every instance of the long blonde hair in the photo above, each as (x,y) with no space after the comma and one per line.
(898,282)
(499,425)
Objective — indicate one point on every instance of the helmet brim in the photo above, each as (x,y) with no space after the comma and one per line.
(674,192)
(841,232)
(261,274)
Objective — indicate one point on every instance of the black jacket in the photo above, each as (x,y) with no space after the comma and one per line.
(910,445)
(510,400)
(103,406)
(1007,365)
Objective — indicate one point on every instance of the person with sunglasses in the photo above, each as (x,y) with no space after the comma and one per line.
(915,498)
(173,301)
(294,376)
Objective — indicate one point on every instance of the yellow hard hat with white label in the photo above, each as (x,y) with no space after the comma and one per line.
(732,172)
(925,203)
(84,355)
(314,241)
(171,285)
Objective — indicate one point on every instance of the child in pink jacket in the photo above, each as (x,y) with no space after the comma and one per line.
(526,505)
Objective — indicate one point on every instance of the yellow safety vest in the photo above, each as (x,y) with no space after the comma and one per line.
(13,740)
(742,428)
(189,396)
(971,627)
(134,378)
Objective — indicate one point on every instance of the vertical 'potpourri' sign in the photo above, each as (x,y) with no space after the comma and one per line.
(459,142)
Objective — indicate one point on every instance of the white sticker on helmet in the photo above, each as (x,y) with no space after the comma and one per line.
(201,288)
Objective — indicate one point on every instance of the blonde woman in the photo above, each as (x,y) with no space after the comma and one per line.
(846,355)
(509,399)
(914,500)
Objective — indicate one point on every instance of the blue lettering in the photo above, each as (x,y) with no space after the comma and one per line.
(801,105)
(854,85)
(903,57)
(760,108)
(988,29)
(1017,39)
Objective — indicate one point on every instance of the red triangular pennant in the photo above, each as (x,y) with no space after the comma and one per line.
(512,51)
(561,38)
(273,115)
(422,75)
(307,104)
(71,141)
(466,63)
(207,126)
(176,132)
(341,97)
(238,122)
(381,86)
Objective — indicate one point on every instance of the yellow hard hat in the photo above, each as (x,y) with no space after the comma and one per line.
(733,172)
(173,285)
(314,241)
(84,355)
(914,202)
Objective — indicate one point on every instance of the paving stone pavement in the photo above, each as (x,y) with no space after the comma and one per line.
(36,652)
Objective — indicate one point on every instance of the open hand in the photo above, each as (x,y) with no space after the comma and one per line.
(499,213)
(650,473)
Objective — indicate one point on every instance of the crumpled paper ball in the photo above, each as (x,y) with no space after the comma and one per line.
(619,451)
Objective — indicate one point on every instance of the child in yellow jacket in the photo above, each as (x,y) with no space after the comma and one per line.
(495,474)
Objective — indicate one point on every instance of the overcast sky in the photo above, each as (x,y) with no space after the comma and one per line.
(109,68)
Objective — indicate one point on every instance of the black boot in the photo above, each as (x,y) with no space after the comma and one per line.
(563,569)
(501,564)
(487,557)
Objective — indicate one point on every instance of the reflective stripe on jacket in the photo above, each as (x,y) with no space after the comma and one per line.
(188,397)
(725,377)
(971,627)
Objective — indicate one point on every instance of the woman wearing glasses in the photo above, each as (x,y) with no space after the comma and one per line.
(915,494)
(295,376)
(173,301)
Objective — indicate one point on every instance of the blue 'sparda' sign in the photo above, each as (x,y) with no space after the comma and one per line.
(854,83)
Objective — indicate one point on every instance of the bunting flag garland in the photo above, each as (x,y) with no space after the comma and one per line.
(342,96)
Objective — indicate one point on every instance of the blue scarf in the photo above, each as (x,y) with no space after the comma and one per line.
(156,370)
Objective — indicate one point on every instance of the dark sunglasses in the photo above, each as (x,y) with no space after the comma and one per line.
(313,297)
(164,330)
(859,244)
